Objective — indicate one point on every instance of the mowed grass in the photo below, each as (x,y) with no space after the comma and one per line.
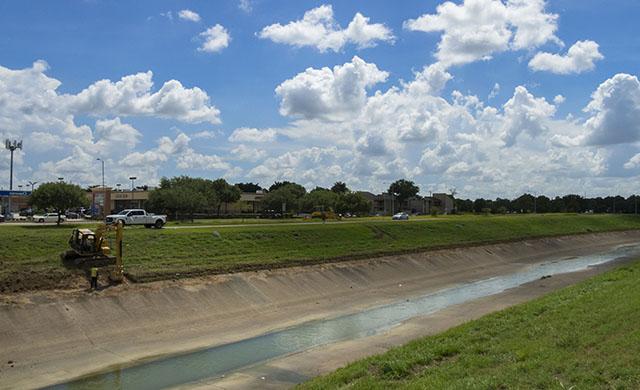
(583,337)
(152,254)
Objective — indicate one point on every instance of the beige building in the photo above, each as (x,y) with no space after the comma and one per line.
(249,203)
(106,200)
(385,204)
(117,200)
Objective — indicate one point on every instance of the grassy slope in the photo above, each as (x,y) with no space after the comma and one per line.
(585,336)
(32,251)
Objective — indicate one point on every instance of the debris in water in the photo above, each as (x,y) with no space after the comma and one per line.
(545,277)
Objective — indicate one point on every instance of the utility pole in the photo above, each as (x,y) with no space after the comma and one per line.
(11,146)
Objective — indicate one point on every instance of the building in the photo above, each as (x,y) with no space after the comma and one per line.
(116,200)
(387,204)
(19,200)
(249,203)
(443,203)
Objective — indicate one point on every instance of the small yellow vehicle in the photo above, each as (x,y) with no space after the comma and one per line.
(91,249)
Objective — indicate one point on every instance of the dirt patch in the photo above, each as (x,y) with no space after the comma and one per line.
(30,280)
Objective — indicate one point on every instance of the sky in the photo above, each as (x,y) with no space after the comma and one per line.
(488,97)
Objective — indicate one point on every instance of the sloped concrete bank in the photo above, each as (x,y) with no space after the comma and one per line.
(53,337)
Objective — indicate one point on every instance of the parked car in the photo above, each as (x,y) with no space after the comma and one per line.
(48,217)
(137,217)
(400,217)
(1,218)
(270,214)
(18,217)
(72,215)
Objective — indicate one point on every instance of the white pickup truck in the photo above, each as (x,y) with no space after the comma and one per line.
(137,217)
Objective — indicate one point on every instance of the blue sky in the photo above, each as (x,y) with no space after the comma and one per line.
(478,115)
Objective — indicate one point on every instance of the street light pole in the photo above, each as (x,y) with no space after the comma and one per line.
(393,206)
(132,178)
(32,184)
(11,146)
(102,161)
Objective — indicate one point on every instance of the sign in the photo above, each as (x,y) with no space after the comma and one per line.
(14,193)
(99,198)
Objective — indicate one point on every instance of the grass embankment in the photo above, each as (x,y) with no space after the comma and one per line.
(29,254)
(583,337)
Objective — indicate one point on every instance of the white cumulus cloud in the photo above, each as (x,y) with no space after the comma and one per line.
(580,57)
(477,29)
(214,39)
(132,96)
(332,94)
(615,111)
(253,135)
(319,29)
(245,153)
(524,113)
(188,15)
(633,162)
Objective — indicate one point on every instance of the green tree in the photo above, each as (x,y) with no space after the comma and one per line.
(59,197)
(289,195)
(230,194)
(295,187)
(339,188)
(353,202)
(524,204)
(178,201)
(183,195)
(225,193)
(403,189)
(319,199)
(248,187)
(479,205)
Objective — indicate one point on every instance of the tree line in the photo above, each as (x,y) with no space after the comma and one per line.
(572,203)
(184,196)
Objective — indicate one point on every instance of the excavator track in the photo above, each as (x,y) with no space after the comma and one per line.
(72,258)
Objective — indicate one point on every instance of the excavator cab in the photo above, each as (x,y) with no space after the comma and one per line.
(91,249)
(84,241)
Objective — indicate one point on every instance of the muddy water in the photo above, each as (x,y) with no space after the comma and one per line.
(220,360)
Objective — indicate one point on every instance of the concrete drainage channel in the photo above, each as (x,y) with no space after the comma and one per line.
(224,359)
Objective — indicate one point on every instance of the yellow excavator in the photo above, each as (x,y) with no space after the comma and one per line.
(92,249)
